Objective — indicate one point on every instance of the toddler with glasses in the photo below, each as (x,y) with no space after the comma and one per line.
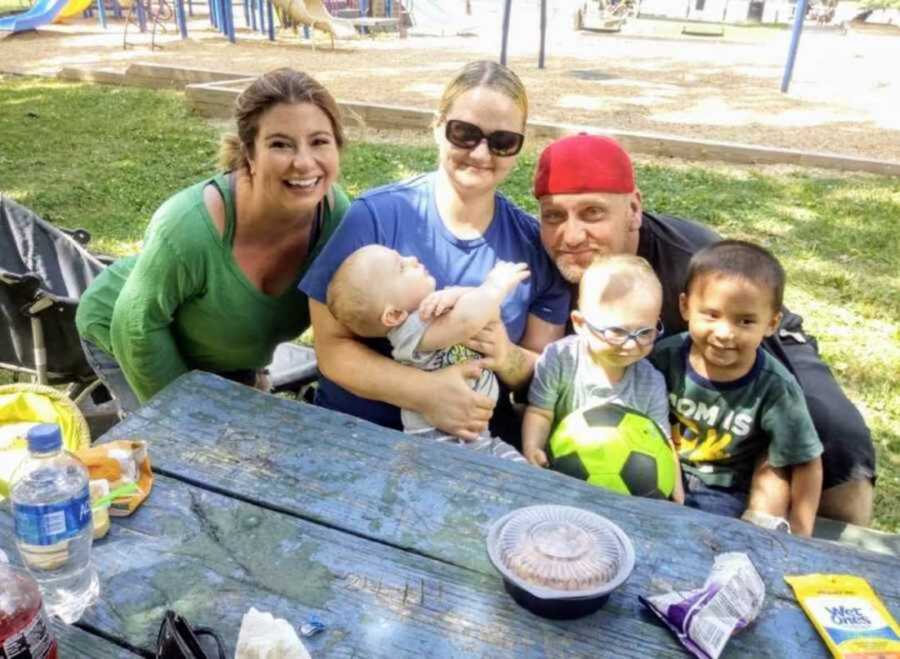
(376,292)
(616,324)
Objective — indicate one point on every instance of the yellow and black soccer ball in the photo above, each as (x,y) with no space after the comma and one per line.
(614,447)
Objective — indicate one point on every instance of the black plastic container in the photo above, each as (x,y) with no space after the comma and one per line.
(557,609)
(559,562)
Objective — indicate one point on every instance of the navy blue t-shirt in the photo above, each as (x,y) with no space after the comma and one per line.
(404,217)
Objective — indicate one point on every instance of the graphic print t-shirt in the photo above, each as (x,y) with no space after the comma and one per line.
(721,428)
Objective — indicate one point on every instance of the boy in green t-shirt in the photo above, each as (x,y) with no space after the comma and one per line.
(739,420)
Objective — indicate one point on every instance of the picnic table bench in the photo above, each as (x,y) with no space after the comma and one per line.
(299,511)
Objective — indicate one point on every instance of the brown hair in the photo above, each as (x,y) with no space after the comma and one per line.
(283,85)
(483,73)
(611,277)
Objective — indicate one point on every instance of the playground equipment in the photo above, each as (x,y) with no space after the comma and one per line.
(603,15)
(313,14)
(41,13)
(73,8)
(157,12)
(44,12)
(430,17)
(258,14)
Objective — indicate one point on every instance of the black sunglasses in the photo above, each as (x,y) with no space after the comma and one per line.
(503,143)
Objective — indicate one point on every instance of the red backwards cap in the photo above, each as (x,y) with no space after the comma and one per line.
(583,163)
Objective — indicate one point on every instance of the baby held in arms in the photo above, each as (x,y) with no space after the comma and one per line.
(376,292)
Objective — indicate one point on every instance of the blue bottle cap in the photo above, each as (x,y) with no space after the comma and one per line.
(44,437)
(312,627)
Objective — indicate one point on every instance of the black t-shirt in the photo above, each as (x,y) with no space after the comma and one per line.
(668,242)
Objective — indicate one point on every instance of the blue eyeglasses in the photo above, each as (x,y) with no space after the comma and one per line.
(619,336)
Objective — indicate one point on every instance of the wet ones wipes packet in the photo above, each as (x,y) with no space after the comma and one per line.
(848,616)
(704,619)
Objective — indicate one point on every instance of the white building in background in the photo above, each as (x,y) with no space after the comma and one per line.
(749,11)
(721,11)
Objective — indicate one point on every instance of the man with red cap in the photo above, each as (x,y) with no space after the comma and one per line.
(590,205)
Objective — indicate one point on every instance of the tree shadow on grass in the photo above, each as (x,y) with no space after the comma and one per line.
(376,165)
(839,232)
(101,158)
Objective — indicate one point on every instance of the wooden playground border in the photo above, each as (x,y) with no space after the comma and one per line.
(212,94)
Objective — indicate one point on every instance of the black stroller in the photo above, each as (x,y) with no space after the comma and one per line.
(43,272)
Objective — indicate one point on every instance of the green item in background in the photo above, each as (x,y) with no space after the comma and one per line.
(121,491)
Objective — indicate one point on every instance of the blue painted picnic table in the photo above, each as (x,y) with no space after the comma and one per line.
(266,502)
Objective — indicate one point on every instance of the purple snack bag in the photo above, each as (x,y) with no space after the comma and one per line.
(703,620)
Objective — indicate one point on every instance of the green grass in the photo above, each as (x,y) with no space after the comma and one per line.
(103,158)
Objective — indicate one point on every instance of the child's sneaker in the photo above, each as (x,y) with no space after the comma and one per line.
(766,521)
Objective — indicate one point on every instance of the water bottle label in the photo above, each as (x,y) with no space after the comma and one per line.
(51,523)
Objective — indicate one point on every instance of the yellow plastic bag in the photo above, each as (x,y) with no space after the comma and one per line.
(848,615)
(25,405)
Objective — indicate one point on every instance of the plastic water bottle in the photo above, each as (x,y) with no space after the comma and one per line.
(24,629)
(52,511)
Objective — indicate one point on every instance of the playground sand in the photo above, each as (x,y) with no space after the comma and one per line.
(699,89)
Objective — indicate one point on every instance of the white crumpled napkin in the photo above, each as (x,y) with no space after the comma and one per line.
(264,636)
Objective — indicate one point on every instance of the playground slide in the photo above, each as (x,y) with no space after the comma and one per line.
(340,28)
(73,8)
(314,14)
(41,13)
(430,18)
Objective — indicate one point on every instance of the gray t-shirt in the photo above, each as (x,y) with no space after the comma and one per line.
(405,339)
(566,378)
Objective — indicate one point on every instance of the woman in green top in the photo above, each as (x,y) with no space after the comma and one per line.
(215,285)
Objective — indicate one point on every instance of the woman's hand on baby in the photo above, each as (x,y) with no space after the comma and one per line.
(452,405)
(493,342)
(536,456)
(440,302)
(505,276)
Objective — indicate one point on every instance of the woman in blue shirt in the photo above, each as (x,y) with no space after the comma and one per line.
(458,226)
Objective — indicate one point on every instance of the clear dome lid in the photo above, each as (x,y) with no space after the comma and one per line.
(560,552)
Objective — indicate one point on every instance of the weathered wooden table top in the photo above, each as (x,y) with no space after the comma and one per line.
(265,502)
